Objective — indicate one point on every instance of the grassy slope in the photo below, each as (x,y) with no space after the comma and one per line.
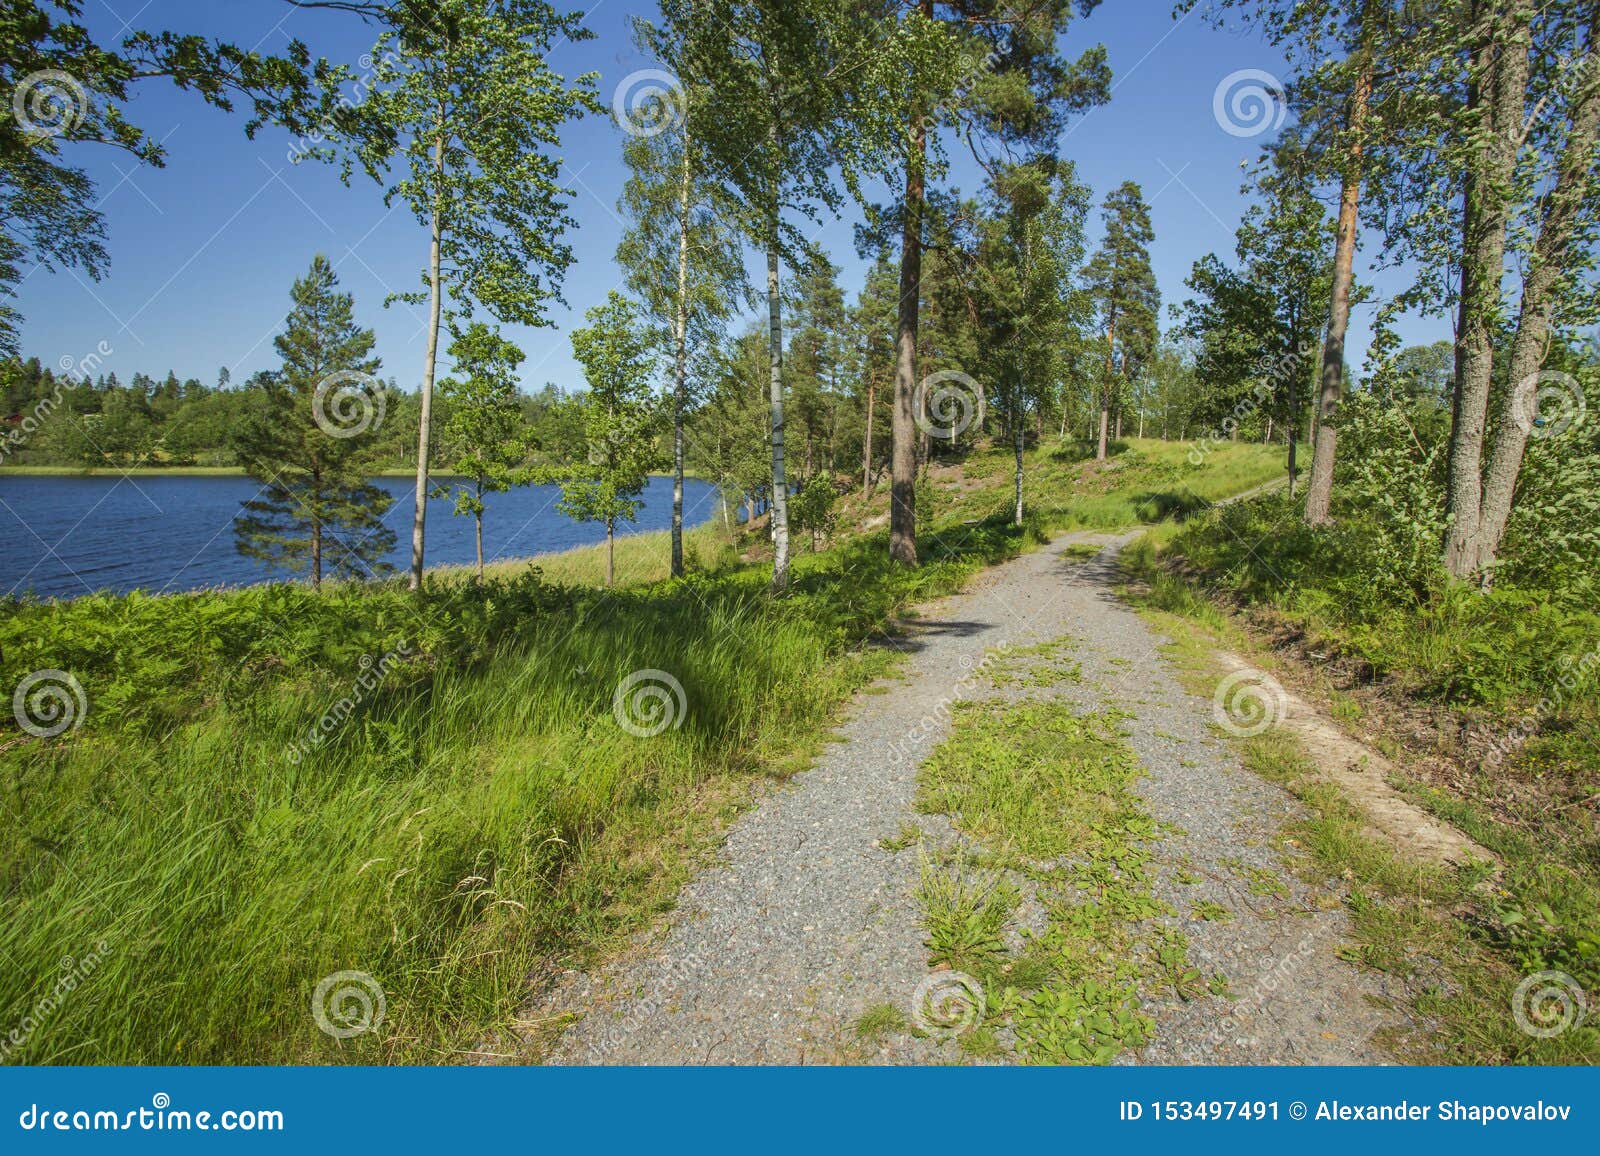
(468,817)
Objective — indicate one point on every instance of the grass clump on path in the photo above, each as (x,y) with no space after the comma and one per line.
(1048,795)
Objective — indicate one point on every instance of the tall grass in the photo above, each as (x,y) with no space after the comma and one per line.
(270,787)
(479,810)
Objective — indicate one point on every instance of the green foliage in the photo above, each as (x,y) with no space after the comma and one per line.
(429,127)
(70,89)
(486,442)
(1390,479)
(812,509)
(620,415)
(1123,287)
(309,443)
(1047,794)
(475,810)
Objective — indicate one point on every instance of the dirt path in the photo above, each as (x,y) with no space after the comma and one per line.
(773,955)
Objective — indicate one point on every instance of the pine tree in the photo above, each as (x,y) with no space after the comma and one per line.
(309,441)
(1125,290)
(1016,90)
(1031,246)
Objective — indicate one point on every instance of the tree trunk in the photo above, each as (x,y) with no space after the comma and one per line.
(866,442)
(1105,390)
(477,528)
(430,357)
(1497,94)
(780,489)
(1551,256)
(1016,444)
(903,425)
(611,550)
(316,533)
(1319,493)
(680,383)
(1291,431)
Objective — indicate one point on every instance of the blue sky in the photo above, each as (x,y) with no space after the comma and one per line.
(204,250)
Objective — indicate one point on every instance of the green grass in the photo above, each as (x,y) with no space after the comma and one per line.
(480,811)
(1462,943)
(1049,794)
(1143,482)
(472,817)
(880,1021)
(641,559)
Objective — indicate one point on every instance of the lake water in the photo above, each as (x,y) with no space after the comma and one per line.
(67,536)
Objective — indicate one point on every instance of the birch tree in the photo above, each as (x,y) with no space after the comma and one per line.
(802,88)
(619,415)
(484,434)
(681,256)
(462,104)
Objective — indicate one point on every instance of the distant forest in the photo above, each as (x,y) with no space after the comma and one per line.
(175,422)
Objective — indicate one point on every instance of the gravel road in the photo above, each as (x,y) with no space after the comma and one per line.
(807,922)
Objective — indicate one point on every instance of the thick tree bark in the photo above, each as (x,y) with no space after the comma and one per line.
(1319,492)
(430,359)
(680,382)
(1497,94)
(1550,256)
(903,423)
